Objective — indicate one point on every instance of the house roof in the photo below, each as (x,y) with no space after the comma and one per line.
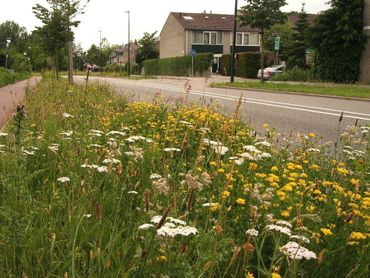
(294,16)
(208,22)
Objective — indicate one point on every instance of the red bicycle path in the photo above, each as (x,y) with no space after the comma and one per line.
(12,95)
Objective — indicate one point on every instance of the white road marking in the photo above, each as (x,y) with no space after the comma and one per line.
(284,105)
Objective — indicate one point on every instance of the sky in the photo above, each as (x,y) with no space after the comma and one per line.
(109,17)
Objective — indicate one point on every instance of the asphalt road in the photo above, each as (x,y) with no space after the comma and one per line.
(289,114)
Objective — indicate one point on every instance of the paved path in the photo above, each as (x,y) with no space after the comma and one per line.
(11,95)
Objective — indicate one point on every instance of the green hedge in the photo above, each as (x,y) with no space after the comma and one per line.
(179,66)
(8,77)
(247,63)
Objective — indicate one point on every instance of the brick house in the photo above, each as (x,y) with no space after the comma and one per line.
(205,32)
(365,61)
(120,55)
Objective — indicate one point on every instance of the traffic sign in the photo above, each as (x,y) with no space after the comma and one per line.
(277,43)
(193,52)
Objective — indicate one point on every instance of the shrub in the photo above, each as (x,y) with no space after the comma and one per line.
(247,64)
(179,66)
(296,74)
(8,77)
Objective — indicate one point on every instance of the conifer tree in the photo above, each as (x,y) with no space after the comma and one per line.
(297,52)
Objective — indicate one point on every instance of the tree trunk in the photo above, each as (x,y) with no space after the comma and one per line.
(56,63)
(70,62)
(262,57)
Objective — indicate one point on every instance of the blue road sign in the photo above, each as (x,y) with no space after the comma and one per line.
(193,52)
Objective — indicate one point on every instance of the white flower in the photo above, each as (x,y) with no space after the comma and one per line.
(88,215)
(265,155)
(176,221)
(239,161)
(66,115)
(2,146)
(134,138)
(283,223)
(313,150)
(171,230)
(283,230)
(33,148)
(206,205)
(301,238)
(252,232)
(155,176)
(102,169)
(148,140)
(95,146)
(114,132)
(63,179)
(156,219)
(111,160)
(96,133)
(54,147)
(66,133)
(250,148)
(3,134)
(263,143)
(145,226)
(26,152)
(132,192)
(185,123)
(219,149)
(296,252)
(171,150)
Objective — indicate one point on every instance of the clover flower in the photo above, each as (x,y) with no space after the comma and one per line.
(296,252)
(161,186)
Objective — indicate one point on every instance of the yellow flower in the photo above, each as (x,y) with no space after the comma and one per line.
(240,201)
(357,236)
(225,194)
(214,207)
(249,275)
(314,167)
(162,258)
(312,135)
(274,169)
(275,275)
(326,232)
(252,166)
(355,182)
(220,171)
(285,213)
(213,163)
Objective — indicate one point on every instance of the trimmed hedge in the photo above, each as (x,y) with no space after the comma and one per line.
(179,66)
(247,63)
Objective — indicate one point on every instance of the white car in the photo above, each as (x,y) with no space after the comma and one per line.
(270,71)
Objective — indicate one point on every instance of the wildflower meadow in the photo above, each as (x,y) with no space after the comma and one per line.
(95,185)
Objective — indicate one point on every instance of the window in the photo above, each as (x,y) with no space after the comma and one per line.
(247,39)
(197,37)
(254,39)
(239,39)
(206,38)
(213,38)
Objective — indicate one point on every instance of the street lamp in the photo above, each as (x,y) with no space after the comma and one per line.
(128,47)
(8,41)
(232,64)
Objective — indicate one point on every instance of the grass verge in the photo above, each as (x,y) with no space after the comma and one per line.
(356,91)
(92,185)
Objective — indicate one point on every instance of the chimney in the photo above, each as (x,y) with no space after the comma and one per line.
(210,12)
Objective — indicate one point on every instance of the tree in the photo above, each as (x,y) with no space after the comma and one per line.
(297,53)
(148,48)
(57,29)
(285,32)
(339,40)
(262,15)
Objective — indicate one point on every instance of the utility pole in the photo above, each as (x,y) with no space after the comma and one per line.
(128,46)
(232,64)
(8,41)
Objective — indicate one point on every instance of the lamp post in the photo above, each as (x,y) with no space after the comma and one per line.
(232,64)
(8,41)
(128,46)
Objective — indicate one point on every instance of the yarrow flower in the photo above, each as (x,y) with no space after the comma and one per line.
(3,134)
(66,115)
(252,232)
(296,252)
(63,179)
(280,229)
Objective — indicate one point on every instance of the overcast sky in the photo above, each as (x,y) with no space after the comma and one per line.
(146,15)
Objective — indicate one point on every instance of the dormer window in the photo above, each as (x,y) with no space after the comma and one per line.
(188,17)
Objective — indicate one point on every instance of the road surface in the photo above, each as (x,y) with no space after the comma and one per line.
(289,114)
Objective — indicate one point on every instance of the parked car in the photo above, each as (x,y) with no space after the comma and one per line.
(270,71)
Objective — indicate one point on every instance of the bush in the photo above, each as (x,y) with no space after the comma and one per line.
(296,74)
(247,64)
(8,77)
(179,66)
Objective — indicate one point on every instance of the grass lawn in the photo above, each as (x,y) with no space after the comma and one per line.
(92,185)
(111,74)
(357,91)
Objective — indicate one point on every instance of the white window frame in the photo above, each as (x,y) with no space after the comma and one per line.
(249,38)
(218,34)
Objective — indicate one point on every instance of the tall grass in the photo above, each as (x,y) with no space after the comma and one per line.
(80,190)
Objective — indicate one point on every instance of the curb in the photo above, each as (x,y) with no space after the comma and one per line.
(291,93)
